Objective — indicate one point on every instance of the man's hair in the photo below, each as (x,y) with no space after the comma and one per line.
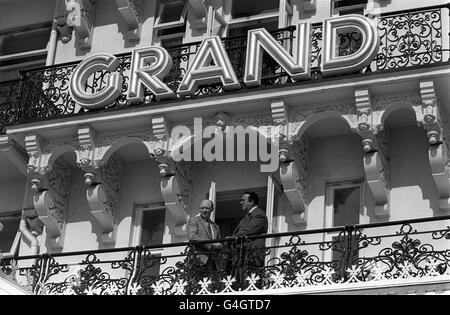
(253,197)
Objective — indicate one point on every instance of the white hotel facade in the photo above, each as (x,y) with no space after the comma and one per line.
(93,199)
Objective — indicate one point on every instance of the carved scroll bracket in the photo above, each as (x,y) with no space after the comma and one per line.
(377,170)
(103,196)
(51,188)
(294,177)
(435,122)
(200,13)
(103,181)
(176,188)
(376,152)
(132,11)
(51,197)
(81,17)
(309,6)
(293,155)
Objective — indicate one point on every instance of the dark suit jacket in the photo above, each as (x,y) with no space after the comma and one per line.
(197,230)
(255,224)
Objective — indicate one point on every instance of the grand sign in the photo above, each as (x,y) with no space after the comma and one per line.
(211,64)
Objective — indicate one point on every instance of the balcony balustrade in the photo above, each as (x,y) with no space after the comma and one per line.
(407,39)
(344,258)
(9,97)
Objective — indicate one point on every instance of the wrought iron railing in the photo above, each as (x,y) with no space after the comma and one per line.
(407,39)
(384,254)
(411,39)
(9,97)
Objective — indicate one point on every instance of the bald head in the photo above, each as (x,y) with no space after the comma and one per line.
(206,207)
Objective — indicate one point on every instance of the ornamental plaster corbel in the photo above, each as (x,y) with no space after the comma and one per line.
(200,13)
(309,6)
(81,15)
(131,11)
(377,170)
(376,152)
(280,125)
(199,8)
(103,196)
(294,177)
(160,128)
(435,124)
(176,186)
(50,191)
(86,147)
(33,146)
(51,196)
(364,107)
(279,112)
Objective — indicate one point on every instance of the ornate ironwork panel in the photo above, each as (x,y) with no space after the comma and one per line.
(410,39)
(9,98)
(389,254)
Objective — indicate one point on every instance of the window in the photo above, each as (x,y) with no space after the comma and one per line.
(240,9)
(171,19)
(149,225)
(23,48)
(344,203)
(148,230)
(9,233)
(344,7)
(251,14)
(344,207)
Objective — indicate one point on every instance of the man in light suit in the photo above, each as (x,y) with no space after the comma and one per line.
(254,223)
(202,228)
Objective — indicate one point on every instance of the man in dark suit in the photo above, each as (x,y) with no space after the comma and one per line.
(202,228)
(254,223)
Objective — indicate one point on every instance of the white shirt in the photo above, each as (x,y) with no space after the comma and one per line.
(252,209)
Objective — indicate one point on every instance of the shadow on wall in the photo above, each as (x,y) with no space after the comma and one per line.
(410,166)
(331,159)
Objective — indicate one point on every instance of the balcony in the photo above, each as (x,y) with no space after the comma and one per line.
(408,40)
(362,258)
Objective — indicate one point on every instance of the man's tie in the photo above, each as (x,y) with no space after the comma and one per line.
(208,224)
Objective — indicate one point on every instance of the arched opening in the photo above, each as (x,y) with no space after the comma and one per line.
(225,167)
(413,191)
(64,182)
(141,208)
(335,167)
(335,189)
